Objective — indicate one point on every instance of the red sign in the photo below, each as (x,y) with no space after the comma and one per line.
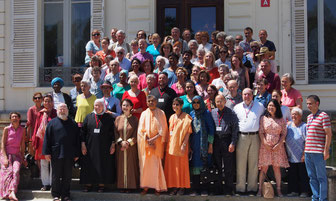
(265,3)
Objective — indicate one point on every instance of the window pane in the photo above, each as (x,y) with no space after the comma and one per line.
(80,32)
(312,31)
(203,19)
(170,20)
(329,30)
(53,34)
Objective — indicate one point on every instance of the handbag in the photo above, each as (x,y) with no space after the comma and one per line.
(267,188)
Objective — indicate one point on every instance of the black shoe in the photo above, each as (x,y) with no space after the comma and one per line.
(251,193)
(239,194)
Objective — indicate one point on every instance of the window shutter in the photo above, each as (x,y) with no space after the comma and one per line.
(23,43)
(299,41)
(97,16)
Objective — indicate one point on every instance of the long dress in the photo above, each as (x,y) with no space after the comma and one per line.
(272,129)
(176,163)
(151,123)
(98,165)
(10,176)
(127,160)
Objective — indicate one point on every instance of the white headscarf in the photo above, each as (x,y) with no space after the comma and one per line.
(101,101)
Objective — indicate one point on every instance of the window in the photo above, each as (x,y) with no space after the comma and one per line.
(66,32)
(197,15)
(321,46)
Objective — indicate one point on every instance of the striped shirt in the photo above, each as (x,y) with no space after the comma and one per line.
(316,136)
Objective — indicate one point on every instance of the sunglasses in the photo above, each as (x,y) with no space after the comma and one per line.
(96,34)
(196,102)
(238,39)
(120,53)
(38,97)
(77,80)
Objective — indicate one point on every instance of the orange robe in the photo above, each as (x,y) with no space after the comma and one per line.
(177,163)
(151,123)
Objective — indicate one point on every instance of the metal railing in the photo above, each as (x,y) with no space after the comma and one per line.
(46,74)
(322,73)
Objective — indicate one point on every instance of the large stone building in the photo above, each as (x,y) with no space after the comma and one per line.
(41,39)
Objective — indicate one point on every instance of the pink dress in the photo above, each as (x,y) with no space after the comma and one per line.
(179,92)
(272,129)
(143,83)
(289,99)
(10,176)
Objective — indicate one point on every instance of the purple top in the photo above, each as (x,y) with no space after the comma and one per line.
(14,140)
(143,57)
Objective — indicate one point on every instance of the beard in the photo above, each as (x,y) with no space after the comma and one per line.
(62,116)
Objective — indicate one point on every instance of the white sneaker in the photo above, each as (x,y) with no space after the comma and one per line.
(303,195)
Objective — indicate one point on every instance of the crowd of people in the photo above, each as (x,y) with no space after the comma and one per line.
(161,113)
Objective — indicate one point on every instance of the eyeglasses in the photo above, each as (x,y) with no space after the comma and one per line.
(120,53)
(38,97)
(96,34)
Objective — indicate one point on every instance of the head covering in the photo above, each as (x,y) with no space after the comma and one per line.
(124,71)
(202,105)
(106,84)
(59,80)
(262,51)
(101,101)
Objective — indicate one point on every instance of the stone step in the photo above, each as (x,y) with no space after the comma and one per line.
(78,195)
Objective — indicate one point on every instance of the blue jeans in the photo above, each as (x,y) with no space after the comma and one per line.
(316,169)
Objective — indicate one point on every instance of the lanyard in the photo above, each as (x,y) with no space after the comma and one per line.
(248,110)
(161,93)
(233,101)
(97,121)
(219,118)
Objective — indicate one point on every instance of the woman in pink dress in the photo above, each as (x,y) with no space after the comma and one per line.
(137,96)
(179,86)
(12,152)
(148,67)
(272,133)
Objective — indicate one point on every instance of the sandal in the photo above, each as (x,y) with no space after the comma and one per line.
(157,193)
(173,192)
(66,199)
(87,188)
(101,189)
(56,199)
(144,191)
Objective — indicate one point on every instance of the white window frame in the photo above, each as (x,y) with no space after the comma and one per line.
(66,31)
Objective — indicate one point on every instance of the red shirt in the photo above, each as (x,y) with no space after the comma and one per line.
(102,54)
(138,102)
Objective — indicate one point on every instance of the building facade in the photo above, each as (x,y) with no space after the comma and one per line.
(42,39)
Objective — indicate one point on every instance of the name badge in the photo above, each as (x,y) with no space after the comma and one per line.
(96,130)
(218,128)
(161,100)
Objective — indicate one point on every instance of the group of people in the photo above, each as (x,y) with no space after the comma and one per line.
(163,118)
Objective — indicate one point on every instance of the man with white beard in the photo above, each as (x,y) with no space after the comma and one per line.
(61,146)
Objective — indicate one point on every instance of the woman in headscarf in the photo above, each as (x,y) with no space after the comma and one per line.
(98,148)
(201,142)
(126,127)
(152,133)
(177,161)
(11,156)
(42,119)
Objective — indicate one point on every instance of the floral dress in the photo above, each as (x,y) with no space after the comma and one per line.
(272,129)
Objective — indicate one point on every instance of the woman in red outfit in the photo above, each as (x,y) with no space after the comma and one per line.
(137,96)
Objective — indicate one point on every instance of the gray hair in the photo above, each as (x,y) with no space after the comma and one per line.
(221,34)
(133,42)
(297,110)
(118,49)
(86,82)
(62,105)
(115,61)
(290,77)
(151,97)
(158,58)
(230,39)
(133,77)
(150,76)
(200,50)
(121,32)
(193,42)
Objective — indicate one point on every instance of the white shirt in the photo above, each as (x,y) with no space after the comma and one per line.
(207,47)
(249,116)
(219,83)
(88,74)
(58,99)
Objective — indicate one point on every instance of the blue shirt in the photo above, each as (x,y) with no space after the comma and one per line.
(73,94)
(124,64)
(295,142)
(113,79)
(264,99)
(91,46)
(95,88)
(113,104)
(153,51)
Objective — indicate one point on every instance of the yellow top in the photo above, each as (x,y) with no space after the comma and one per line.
(84,107)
